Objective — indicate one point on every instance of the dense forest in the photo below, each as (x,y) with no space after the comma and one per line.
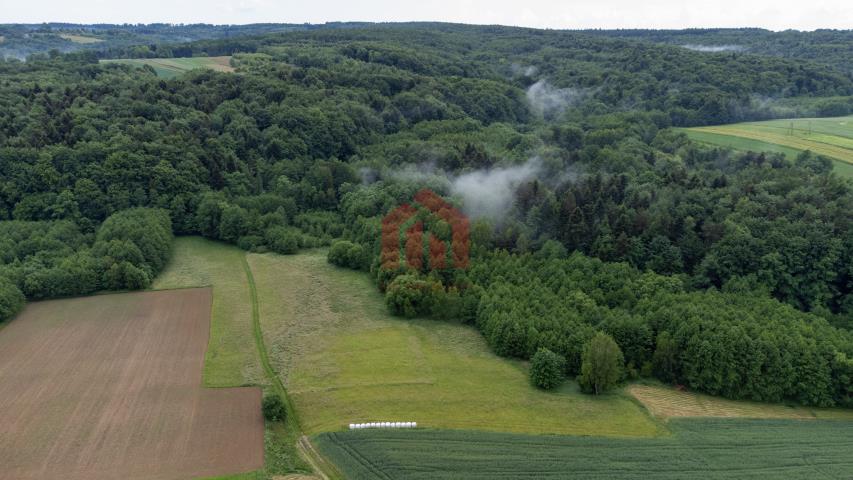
(830,47)
(22,40)
(728,272)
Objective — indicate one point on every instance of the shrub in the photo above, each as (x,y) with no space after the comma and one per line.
(410,296)
(273,408)
(546,369)
(11,299)
(282,240)
(346,254)
(250,242)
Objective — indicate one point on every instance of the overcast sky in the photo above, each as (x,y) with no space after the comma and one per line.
(772,14)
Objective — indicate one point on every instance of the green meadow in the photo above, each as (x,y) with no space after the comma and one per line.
(344,359)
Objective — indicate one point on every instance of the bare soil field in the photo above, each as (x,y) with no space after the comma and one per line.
(110,387)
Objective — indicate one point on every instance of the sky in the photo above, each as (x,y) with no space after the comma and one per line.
(567,14)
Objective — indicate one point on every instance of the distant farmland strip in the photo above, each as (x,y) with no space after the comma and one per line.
(708,449)
(172,67)
(832,137)
(80,38)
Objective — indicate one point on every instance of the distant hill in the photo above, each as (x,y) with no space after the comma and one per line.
(829,47)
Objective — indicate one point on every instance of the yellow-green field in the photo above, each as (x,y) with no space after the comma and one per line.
(172,67)
(82,39)
(832,137)
(344,360)
(666,402)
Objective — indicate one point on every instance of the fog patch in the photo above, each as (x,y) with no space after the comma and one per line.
(714,48)
(490,193)
(549,101)
(523,70)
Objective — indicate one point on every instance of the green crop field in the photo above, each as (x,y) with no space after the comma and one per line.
(832,137)
(708,449)
(172,67)
(344,359)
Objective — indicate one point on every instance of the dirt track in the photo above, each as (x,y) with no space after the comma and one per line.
(109,387)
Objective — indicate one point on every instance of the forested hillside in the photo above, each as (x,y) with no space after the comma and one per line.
(829,47)
(707,267)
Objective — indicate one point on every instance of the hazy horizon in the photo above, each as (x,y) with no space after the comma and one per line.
(604,14)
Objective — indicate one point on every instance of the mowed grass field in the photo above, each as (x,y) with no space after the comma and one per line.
(707,449)
(172,67)
(109,386)
(667,402)
(344,359)
(832,137)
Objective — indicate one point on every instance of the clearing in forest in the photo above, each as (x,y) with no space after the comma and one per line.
(344,359)
(82,39)
(172,67)
(110,387)
(832,137)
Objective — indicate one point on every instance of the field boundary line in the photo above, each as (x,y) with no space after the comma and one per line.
(292,417)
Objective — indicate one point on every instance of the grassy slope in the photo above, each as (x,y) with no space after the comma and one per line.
(232,357)
(708,449)
(172,67)
(344,360)
(832,137)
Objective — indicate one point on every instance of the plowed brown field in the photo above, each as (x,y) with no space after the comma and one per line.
(110,387)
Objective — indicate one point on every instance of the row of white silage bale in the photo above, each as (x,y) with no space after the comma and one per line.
(359,426)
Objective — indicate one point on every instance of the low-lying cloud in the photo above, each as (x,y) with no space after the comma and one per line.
(714,48)
(548,101)
(523,70)
(490,193)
